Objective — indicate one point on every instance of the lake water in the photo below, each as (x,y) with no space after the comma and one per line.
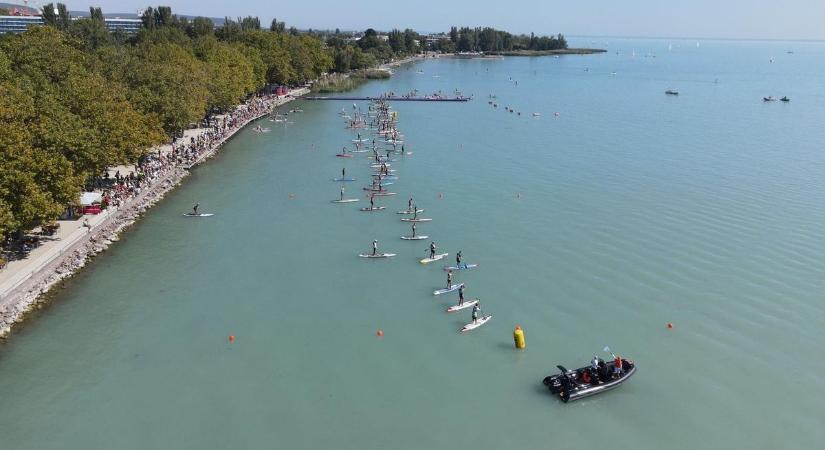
(629,210)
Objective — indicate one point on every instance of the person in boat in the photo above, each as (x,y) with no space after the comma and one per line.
(449,279)
(432,250)
(195,209)
(461,295)
(374,247)
(342,192)
(594,364)
(458,259)
(618,370)
(476,312)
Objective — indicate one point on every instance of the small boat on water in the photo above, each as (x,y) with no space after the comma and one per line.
(671,92)
(769,98)
(572,385)
(785,99)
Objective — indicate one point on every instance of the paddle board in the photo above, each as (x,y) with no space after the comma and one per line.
(343,155)
(447,290)
(198,215)
(437,257)
(414,238)
(359,151)
(377,208)
(379,255)
(407,219)
(463,267)
(409,211)
(346,200)
(343,180)
(466,304)
(383,194)
(472,326)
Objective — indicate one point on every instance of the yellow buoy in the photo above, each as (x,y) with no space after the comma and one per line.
(518,338)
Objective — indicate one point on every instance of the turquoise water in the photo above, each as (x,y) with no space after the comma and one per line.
(630,210)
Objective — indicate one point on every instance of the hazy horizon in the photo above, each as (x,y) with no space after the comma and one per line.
(735,19)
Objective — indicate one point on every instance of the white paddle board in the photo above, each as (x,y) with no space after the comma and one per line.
(198,215)
(407,219)
(437,257)
(450,289)
(377,208)
(379,255)
(463,267)
(472,326)
(346,200)
(466,304)
(414,238)
(409,211)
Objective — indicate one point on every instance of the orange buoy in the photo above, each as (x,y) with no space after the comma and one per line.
(670,325)
(379,333)
(231,338)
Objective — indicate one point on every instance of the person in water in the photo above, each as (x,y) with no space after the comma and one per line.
(461,295)
(476,312)
(374,247)
(449,279)
(195,209)
(432,250)
(458,259)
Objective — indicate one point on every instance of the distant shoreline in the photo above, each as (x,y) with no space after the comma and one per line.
(561,51)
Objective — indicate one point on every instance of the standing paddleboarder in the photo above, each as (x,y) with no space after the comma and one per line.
(458,259)
(476,312)
(432,250)
(374,247)
(461,295)
(195,209)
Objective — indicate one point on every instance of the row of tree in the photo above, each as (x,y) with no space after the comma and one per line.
(76,98)
(488,39)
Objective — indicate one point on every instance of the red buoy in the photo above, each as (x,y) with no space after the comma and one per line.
(231,338)
(669,325)
(379,333)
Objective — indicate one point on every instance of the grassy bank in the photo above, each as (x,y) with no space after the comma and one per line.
(337,82)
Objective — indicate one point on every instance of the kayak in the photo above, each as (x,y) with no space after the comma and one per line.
(407,219)
(377,208)
(414,238)
(466,304)
(343,155)
(346,200)
(409,211)
(473,325)
(343,180)
(383,194)
(437,257)
(462,267)
(452,288)
(379,255)
(198,215)
(572,385)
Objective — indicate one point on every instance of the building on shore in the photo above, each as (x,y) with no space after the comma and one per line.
(19,24)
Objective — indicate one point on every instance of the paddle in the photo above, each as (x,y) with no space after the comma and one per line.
(607,350)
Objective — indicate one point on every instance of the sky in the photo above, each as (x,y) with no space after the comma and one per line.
(730,19)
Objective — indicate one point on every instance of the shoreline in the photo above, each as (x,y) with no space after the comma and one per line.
(28,292)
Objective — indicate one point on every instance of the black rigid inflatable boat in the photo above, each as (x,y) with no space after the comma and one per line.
(572,385)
